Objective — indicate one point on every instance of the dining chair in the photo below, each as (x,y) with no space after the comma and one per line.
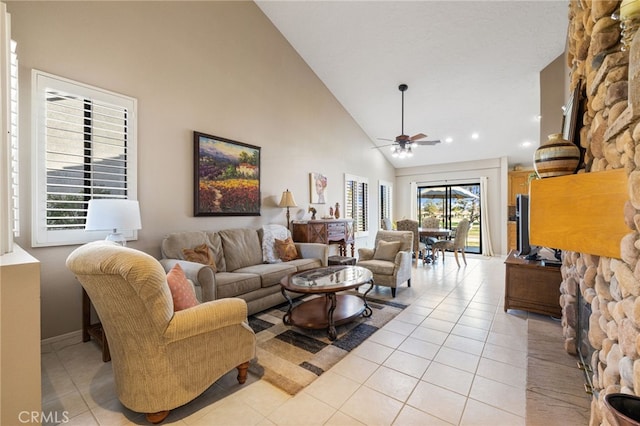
(419,248)
(457,244)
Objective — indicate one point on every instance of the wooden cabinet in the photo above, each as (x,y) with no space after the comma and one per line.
(532,287)
(512,235)
(518,184)
(331,231)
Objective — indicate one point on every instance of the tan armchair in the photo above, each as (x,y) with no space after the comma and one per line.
(457,244)
(419,248)
(161,359)
(389,272)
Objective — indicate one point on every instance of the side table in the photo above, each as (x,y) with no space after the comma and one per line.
(341,260)
(93,330)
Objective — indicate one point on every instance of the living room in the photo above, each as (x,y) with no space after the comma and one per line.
(168,57)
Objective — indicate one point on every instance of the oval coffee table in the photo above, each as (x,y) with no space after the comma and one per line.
(329,309)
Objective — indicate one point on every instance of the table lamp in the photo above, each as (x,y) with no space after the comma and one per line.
(287,201)
(111,214)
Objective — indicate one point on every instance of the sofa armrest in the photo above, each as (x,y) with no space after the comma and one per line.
(201,275)
(365,254)
(314,251)
(206,317)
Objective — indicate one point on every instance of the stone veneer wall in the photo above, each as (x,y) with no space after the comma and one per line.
(610,135)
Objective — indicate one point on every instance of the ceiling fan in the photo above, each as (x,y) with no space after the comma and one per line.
(402,145)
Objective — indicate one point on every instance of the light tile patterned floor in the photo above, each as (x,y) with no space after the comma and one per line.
(453,357)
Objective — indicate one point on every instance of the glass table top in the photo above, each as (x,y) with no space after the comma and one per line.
(331,277)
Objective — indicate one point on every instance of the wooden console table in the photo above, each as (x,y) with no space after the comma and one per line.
(531,287)
(326,231)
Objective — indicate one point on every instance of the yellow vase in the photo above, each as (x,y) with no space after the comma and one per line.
(556,157)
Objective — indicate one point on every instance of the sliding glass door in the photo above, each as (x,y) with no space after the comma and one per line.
(450,204)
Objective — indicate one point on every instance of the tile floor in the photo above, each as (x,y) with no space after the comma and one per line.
(453,357)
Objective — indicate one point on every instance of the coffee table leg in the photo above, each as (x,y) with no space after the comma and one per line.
(332,327)
(367,310)
(287,317)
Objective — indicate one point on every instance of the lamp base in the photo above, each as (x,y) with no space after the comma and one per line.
(118,238)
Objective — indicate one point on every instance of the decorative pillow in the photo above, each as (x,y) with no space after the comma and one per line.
(269,235)
(200,254)
(286,249)
(182,292)
(387,250)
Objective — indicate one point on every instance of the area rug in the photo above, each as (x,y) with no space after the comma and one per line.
(291,358)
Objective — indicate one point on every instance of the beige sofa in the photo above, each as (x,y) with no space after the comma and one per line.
(240,269)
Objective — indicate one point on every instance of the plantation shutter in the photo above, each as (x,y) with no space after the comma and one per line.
(14,140)
(357,202)
(87,150)
(385,201)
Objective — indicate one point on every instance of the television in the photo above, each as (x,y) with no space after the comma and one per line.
(522,222)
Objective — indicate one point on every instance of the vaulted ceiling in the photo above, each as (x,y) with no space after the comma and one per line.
(471,67)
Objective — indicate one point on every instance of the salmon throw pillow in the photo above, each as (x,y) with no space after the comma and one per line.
(182,292)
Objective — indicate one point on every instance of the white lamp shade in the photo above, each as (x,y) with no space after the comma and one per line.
(113,214)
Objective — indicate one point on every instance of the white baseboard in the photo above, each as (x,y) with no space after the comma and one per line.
(60,338)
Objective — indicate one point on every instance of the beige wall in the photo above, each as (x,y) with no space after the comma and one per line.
(553,91)
(215,67)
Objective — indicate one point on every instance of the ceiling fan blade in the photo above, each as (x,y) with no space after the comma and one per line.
(423,143)
(385,139)
(418,136)
(383,146)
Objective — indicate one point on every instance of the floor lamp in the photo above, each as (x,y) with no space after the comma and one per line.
(287,201)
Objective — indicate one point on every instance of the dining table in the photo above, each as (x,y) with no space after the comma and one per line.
(434,232)
(439,233)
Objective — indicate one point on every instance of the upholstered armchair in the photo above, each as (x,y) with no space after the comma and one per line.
(419,248)
(390,261)
(457,244)
(161,359)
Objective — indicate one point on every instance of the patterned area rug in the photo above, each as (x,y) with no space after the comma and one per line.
(291,358)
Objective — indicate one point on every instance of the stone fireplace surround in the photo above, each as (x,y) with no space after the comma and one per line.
(610,80)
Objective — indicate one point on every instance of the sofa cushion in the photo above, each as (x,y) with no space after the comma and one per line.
(286,249)
(234,284)
(182,292)
(269,235)
(215,243)
(241,248)
(270,273)
(174,243)
(305,264)
(386,250)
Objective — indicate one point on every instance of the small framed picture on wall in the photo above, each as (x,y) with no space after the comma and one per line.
(318,188)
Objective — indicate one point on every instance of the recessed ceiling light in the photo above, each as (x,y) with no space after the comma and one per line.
(538,117)
(448,140)
(475,135)
(526,144)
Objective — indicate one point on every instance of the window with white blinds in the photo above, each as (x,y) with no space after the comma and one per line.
(356,190)
(386,197)
(7,212)
(15,175)
(85,145)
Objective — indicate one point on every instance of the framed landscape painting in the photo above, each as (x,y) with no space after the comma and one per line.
(227,177)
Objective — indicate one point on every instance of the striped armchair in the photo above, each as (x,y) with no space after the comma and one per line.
(161,359)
